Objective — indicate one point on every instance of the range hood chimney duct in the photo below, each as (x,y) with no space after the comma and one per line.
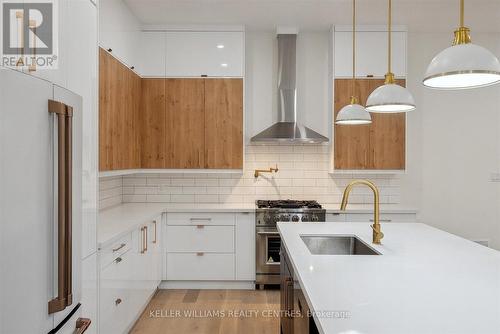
(287,129)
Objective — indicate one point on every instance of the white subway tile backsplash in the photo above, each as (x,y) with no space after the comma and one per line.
(303,174)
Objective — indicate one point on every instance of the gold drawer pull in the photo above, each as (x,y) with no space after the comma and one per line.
(200,254)
(118,301)
(119,247)
(142,241)
(200,226)
(155,240)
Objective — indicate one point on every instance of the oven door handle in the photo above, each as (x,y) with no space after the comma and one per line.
(268,233)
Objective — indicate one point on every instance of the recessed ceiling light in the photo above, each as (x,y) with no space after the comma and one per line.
(220,46)
(223,65)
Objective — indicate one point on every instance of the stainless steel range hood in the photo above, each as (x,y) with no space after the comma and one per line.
(287,129)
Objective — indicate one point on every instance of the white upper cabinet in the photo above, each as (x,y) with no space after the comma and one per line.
(195,54)
(371,54)
(152,54)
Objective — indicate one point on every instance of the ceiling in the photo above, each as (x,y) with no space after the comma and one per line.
(314,15)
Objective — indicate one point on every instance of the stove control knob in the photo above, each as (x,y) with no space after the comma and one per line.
(276,218)
(267,219)
(295,218)
(305,218)
(285,218)
(315,218)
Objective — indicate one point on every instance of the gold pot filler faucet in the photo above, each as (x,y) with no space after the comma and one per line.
(377,233)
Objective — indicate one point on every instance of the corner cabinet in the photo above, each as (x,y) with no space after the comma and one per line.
(184,111)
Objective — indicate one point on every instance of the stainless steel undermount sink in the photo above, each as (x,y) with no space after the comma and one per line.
(337,245)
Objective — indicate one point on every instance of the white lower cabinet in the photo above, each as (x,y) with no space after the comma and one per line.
(210,247)
(200,266)
(130,279)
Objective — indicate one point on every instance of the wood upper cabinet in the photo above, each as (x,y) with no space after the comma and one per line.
(118,105)
(378,146)
(190,123)
(224,123)
(185,138)
(153,124)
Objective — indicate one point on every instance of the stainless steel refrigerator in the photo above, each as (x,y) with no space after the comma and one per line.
(40,206)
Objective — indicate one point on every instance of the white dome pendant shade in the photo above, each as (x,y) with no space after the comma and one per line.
(463,65)
(391,97)
(353,113)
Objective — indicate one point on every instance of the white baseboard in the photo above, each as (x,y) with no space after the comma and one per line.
(209,285)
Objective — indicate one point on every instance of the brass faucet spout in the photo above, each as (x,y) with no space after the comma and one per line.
(377,232)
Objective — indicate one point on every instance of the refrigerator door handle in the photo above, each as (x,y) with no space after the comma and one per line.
(82,324)
(64,116)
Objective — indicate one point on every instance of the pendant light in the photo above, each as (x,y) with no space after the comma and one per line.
(463,65)
(391,97)
(353,113)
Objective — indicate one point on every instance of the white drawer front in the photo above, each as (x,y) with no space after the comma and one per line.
(200,219)
(117,248)
(202,238)
(114,297)
(206,266)
(384,217)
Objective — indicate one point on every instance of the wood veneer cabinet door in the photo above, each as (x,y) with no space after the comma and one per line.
(387,137)
(153,124)
(352,142)
(224,123)
(378,146)
(185,139)
(118,115)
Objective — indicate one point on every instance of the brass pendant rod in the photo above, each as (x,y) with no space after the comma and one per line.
(390,35)
(462,13)
(353,48)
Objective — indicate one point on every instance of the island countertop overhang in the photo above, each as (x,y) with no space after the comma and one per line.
(425,281)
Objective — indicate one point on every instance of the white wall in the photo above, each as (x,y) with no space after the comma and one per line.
(454,147)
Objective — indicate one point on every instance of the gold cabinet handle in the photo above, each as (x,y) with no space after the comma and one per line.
(200,219)
(146,236)
(200,254)
(142,240)
(118,301)
(119,247)
(154,241)
(200,226)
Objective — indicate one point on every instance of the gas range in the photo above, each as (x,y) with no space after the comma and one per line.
(268,240)
(268,213)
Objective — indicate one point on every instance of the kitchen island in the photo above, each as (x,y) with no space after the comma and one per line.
(424,281)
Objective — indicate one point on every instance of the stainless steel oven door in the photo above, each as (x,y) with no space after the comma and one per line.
(268,251)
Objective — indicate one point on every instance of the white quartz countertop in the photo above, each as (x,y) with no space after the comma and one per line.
(425,281)
(118,220)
